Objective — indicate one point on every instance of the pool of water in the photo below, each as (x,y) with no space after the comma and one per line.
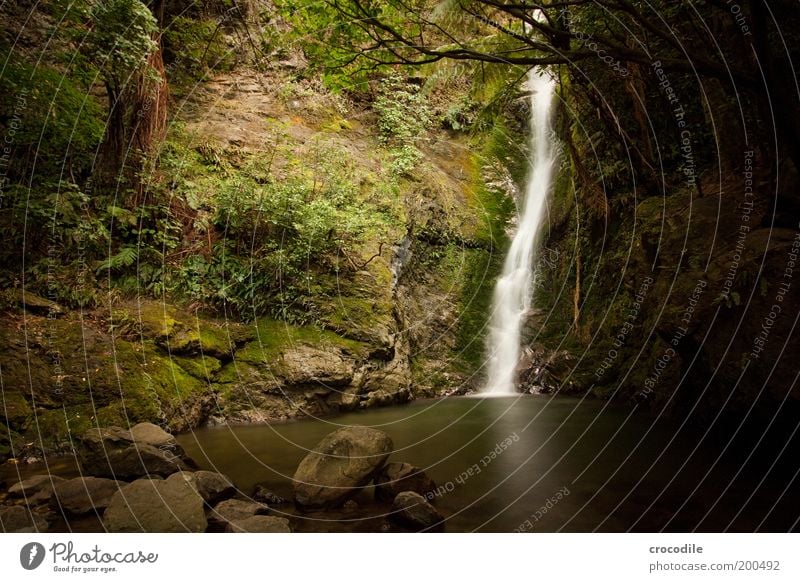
(530,463)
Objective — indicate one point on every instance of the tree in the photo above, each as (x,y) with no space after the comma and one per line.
(702,40)
(121,45)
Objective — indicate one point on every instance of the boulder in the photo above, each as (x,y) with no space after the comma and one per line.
(156,506)
(410,510)
(340,465)
(149,434)
(38,487)
(235,510)
(84,495)
(259,524)
(20,519)
(116,453)
(395,478)
(212,487)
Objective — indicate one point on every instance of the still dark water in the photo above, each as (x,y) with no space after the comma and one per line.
(568,465)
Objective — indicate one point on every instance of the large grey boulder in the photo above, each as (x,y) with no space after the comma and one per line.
(117,453)
(410,510)
(340,465)
(395,478)
(84,495)
(259,524)
(156,506)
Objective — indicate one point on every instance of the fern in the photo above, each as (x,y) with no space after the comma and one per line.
(126,257)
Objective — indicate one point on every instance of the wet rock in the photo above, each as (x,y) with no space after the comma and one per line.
(395,478)
(154,505)
(116,453)
(410,510)
(84,495)
(259,524)
(264,495)
(340,465)
(235,510)
(20,519)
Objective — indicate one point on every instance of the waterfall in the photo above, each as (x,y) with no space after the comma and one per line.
(513,291)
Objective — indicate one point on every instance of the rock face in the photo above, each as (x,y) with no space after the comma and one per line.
(307,365)
(84,494)
(259,524)
(341,464)
(120,454)
(150,505)
(412,511)
(395,478)
(235,510)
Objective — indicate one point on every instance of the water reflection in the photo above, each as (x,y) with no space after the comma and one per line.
(500,462)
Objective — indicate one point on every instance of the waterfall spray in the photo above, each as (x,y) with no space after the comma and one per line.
(513,291)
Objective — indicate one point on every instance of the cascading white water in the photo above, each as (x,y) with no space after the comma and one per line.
(513,291)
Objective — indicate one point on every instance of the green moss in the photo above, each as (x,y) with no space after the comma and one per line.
(273,337)
(241,372)
(55,429)
(14,409)
(156,319)
(202,367)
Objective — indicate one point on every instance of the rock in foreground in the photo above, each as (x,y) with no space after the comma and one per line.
(259,524)
(395,478)
(234,510)
(150,505)
(21,519)
(342,463)
(410,510)
(84,495)
(212,487)
(120,454)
